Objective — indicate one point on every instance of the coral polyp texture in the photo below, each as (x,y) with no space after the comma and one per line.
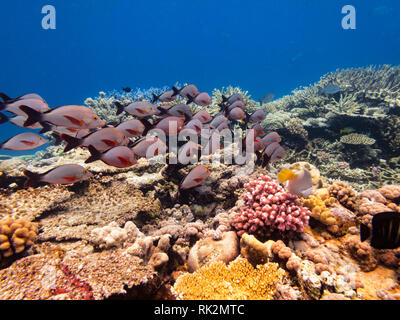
(237,281)
(268,207)
(16,236)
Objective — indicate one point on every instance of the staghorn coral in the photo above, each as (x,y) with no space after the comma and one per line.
(237,281)
(345,194)
(16,236)
(269,207)
(357,139)
(345,105)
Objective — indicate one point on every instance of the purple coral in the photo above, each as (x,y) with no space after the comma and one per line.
(268,206)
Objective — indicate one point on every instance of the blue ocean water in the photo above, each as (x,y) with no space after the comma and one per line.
(261,46)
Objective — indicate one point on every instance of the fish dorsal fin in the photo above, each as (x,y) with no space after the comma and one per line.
(285,175)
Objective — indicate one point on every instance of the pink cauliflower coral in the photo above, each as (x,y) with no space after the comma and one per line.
(268,206)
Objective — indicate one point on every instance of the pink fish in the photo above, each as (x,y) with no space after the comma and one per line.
(258,130)
(139,109)
(187,151)
(77,133)
(170,125)
(180,110)
(119,157)
(25,96)
(20,120)
(195,177)
(164,97)
(257,116)
(149,147)
(237,104)
(193,125)
(202,99)
(278,154)
(218,120)
(23,141)
(233,98)
(270,149)
(14,107)
(237,114)
(187,91)
(65,174)
(71,116)
(203,116)
(102,139)
(132,128)
(271,137)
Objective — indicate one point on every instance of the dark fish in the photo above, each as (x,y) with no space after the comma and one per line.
(187,91)
(127,89)
(267,98)
(385,233)
(329,89)
(233,98)
(164,97)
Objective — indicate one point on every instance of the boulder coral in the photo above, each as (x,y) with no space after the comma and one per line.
(16,236)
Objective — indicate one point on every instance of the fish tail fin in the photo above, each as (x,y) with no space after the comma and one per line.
(72,142)
(162,111)
(176,91)
(4,97)
(224,99)
(155,98)
(365,232)
(33,178)
(190,99)
(46,127)
(147,126)
(120,107)
(57,138)
(33,116)
(94,154)
(3,118)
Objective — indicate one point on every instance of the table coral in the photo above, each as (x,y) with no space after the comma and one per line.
(16,236)
(237,281)
(268,207)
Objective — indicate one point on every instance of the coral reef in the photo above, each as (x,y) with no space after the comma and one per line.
(237,281)
(268,207)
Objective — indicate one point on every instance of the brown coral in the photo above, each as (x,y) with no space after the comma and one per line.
(362,252)
(344,193)
(16,236)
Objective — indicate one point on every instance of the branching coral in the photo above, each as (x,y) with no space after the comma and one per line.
(269,207)
(237,281)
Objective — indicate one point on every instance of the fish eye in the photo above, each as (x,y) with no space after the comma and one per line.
(95,117)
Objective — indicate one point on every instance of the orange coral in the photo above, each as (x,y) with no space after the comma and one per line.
(16,236)
(237,281)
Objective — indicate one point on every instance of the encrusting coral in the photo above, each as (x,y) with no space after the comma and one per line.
(237,281)
(344,193)
(16,236)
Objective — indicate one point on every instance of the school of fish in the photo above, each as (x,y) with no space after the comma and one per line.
(120,146)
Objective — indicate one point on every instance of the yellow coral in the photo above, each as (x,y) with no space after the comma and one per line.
(318,203)
(16,236)
(237,281)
